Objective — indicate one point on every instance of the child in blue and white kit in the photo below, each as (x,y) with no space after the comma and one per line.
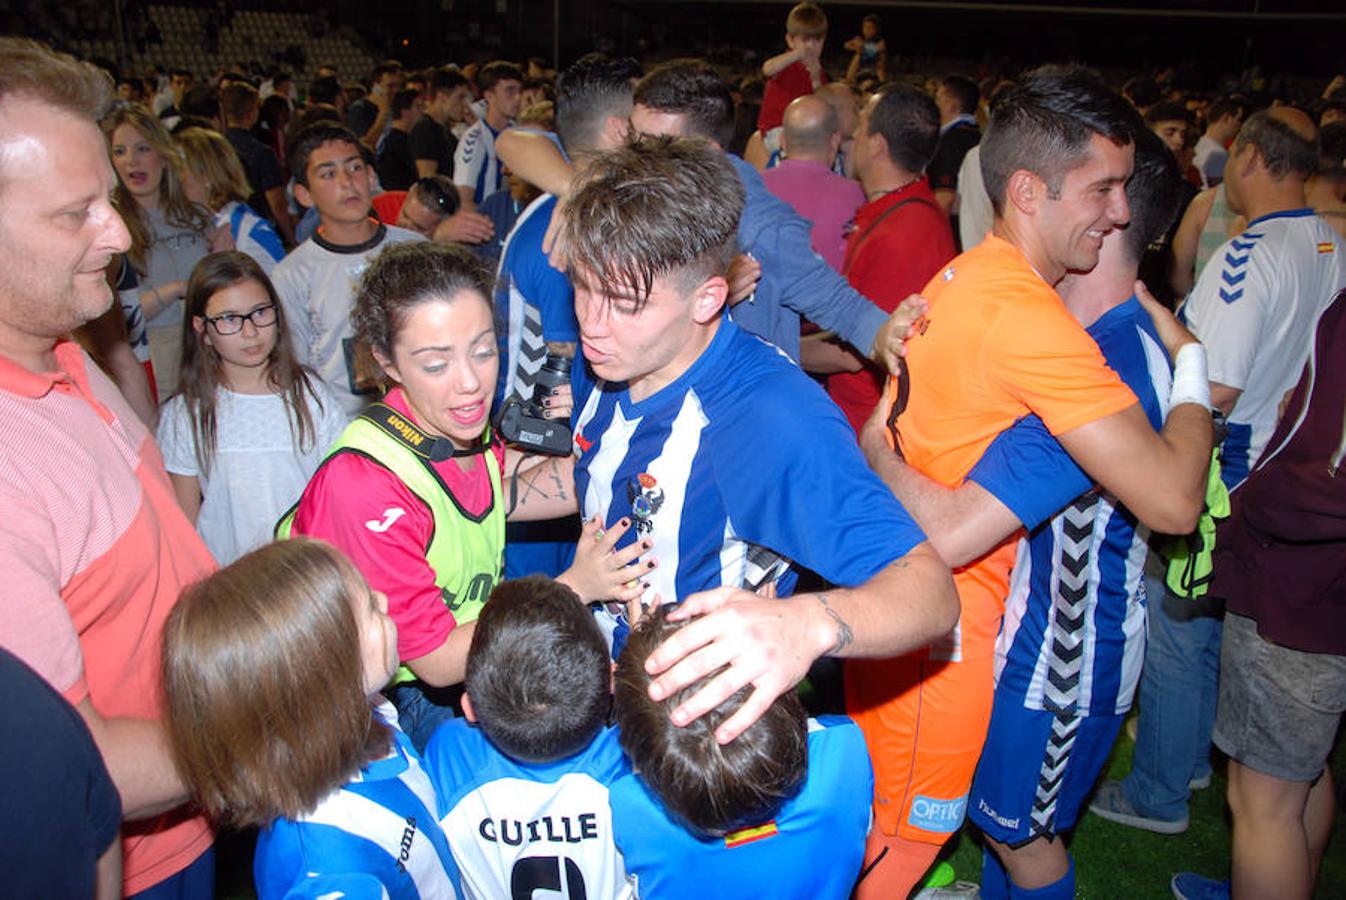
(272,671)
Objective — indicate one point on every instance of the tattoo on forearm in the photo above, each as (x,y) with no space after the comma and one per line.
(844,634)
(532,484)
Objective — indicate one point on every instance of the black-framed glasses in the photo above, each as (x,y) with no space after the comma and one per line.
(430,189)
(232,323)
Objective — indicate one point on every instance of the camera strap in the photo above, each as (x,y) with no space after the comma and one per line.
(404,431)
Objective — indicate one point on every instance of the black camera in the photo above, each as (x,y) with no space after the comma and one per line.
(523,422)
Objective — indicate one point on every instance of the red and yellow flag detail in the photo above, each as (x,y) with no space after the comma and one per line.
(1326,247)
(748,835)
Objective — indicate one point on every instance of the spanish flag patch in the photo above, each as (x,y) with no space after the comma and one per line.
(1326,247)
(748,835)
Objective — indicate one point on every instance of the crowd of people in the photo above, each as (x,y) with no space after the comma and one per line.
(456,476)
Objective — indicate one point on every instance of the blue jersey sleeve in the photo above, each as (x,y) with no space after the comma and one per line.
(544,287)
(1030,447)
(810,495)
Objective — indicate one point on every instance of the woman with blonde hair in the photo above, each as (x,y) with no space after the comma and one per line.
(169,234)
(213,177)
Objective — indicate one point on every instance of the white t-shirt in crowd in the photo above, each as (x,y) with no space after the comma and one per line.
(258,471)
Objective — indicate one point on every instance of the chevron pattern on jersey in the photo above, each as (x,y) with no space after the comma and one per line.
(1235,267)
(532,351)
(1066,657)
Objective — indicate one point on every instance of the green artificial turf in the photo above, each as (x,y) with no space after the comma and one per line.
(1113,860)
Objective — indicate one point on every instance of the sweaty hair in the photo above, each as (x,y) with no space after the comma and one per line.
(34,71)
(590,92)
(538,671)
(173,202)
(266,705)
(714,789)
(495,72)
(806,20)
(909,121)
(1043,124)
(1153,193)
(964,90)
(662,207)
(310,138)
(691,88)
(1284,151)
(237,100)
(200,380)
(405,275)
(214,160)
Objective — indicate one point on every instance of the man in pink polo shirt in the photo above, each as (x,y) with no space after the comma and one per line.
(93,547)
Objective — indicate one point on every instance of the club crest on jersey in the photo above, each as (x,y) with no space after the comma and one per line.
(646,497)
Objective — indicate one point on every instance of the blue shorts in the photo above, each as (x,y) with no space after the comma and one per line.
(1034,773)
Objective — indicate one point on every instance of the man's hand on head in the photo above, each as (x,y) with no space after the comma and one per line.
(765,643)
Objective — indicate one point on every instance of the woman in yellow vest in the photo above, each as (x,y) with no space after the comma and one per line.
(414,492)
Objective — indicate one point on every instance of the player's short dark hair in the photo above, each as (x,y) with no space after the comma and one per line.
(1332,150)
(1226,105)
(324,90)
(200,101)
(664,206)
(1284,151)
(1143,91)
(1043,124)
(238,99)
(595,88)
(806,20)
(404,100)
(538,671)
(715,789)
(436,192)
(446,80)
(310,138)
(692,88)
(909,121)
(497,71)
(388,67)
(964,90)
(1167,111)
(1153,193)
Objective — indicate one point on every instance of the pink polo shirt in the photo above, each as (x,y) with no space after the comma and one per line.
(95,551)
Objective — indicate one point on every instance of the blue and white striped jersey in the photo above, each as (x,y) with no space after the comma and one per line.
(534,303)
(1255,307)
(735,470)
(252,234)
(475,164)
(515,828)
(377,836)
(1074,630)
(812,850)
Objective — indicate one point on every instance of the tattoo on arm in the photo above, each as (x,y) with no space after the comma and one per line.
(531,485)
(844,634)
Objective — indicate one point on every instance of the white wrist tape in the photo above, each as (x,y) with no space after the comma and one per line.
(1191,384)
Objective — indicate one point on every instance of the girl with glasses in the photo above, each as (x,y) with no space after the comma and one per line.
(250,424)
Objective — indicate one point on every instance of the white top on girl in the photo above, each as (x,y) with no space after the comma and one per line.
(258,472)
